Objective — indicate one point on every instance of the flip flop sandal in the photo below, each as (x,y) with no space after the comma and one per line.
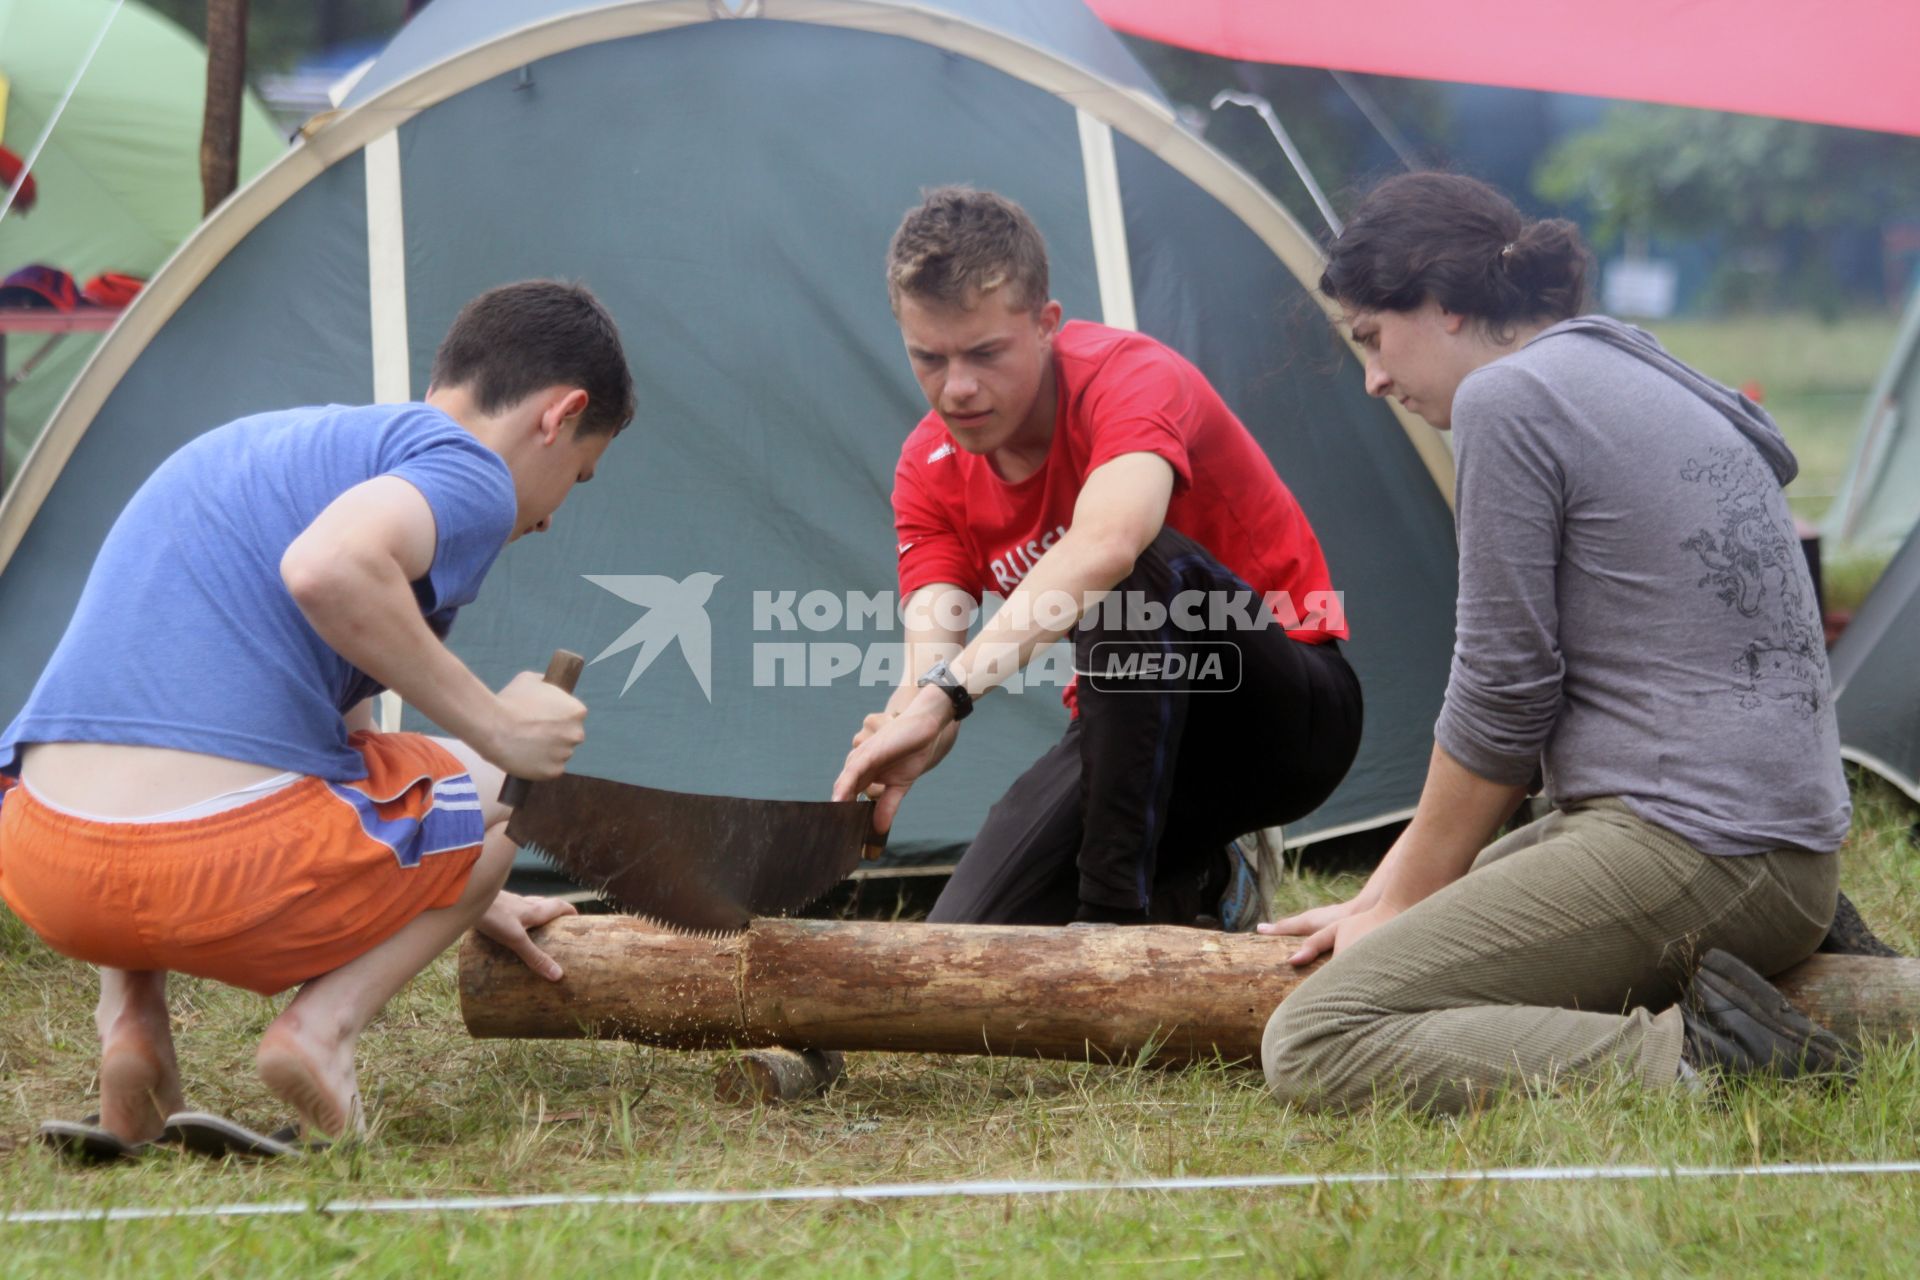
(89,1142)
(217,1137)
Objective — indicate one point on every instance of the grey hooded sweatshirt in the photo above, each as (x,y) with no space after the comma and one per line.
(1635,615)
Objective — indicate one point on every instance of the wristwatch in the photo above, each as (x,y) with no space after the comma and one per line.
(941,677)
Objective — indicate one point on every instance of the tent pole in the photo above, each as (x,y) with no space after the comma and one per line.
(226,86)
(26,166)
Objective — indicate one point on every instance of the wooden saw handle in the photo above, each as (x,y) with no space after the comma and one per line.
(874,846)
(563,669)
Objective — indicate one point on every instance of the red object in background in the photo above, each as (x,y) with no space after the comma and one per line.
(40,287)
(10,167)
(111,289)
(1850,64)
(1753,391)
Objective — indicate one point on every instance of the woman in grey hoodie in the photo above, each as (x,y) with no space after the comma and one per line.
(1636,625)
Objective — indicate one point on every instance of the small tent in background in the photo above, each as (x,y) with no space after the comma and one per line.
(119,178)
(1876,680)
(728,186)
(1879,500)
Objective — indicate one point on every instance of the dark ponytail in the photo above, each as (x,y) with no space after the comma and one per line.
(1457,241)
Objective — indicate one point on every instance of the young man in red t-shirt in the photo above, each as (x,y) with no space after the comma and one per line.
(1093,478)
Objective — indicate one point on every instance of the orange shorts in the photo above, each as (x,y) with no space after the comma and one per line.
(265,896)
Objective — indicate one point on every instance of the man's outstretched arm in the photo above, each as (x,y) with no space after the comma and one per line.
(1119,513)
(934,620)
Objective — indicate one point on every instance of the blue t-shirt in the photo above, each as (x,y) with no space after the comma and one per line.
(185,635)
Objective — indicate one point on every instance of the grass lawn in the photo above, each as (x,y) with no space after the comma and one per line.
(456,1116)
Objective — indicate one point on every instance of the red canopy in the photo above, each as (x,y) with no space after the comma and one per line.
(1849,62)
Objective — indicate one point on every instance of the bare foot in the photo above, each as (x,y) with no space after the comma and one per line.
(139,1080)
(318,1084)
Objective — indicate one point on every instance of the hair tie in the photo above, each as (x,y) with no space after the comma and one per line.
(1506,250)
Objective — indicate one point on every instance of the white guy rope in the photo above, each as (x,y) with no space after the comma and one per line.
(1285,139)
(26,166)
(966,1190)
(1382,124)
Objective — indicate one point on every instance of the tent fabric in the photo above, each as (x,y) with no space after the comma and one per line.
(1876,691)
(1849,65)
(728,187)
(1064,27)
(119,178)
(1878,503)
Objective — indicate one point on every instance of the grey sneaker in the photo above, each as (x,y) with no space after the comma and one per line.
(1738,1023)
(1253,866)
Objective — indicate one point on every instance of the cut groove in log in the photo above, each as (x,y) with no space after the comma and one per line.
(1154,993)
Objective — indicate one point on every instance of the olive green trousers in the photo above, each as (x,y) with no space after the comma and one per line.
(1542,967)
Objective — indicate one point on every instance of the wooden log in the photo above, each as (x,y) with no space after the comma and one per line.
(1858,998)
(1110,993)
(1086,991)
(779,1075)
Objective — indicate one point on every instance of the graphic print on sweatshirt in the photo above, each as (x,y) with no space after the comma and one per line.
(1753,566)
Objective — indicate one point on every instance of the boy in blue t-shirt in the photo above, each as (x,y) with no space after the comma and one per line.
(194,783)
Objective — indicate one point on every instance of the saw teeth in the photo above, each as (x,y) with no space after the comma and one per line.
(604,894)
(614,907)
(712,935)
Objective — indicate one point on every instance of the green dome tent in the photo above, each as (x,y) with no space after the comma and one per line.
(119,177)
(1876,692)
(1879,499)
(728,185)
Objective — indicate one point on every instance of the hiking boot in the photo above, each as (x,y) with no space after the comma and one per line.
(1849,934)
(1738,1023)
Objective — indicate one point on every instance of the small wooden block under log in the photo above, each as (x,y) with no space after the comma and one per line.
(779,1075)
(1112,993)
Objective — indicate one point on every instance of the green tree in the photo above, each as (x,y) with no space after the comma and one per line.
(1780,194)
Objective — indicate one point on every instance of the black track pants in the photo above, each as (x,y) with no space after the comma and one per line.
(1133,808)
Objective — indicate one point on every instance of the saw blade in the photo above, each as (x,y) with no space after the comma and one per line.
(696,863)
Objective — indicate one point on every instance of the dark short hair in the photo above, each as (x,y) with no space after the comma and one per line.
(959,243)
(520,338)
(1458,242)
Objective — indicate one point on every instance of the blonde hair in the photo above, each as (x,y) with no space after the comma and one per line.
(959,244)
